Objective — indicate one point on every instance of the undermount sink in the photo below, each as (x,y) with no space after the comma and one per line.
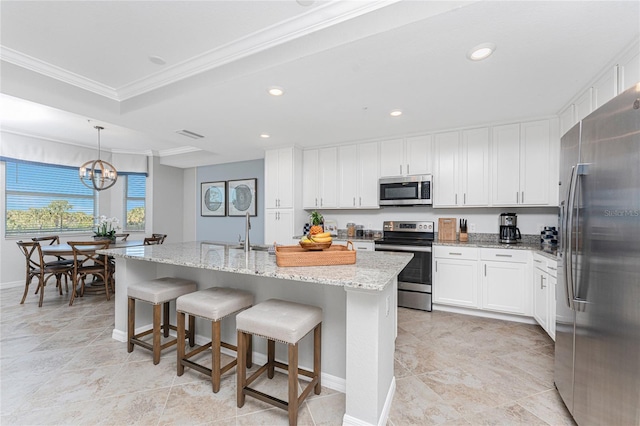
(254,247)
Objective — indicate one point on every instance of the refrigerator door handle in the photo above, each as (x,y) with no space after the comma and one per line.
(567,248)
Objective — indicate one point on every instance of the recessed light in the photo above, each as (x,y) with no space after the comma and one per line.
(276,91)
(157,60)
(265,135)
(481,51)
(395,113)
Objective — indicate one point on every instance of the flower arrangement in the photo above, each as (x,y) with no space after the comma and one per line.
(106,227)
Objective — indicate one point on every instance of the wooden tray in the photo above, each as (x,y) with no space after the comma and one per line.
(297,256)
(447,229)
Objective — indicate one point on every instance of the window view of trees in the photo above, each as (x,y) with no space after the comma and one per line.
(57,216)
(135,219)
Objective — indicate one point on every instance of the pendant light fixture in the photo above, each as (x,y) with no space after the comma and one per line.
(98,174)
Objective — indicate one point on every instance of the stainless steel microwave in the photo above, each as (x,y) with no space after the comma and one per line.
(406,190)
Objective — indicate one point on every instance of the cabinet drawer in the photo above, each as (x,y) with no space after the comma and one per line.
(552,267)
(505,255)
(540,262)
(452,252)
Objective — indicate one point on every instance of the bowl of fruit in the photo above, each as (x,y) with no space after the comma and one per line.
(316,239)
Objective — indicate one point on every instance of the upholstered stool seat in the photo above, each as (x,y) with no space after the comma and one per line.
(285,322)
(213,304)
(159,292)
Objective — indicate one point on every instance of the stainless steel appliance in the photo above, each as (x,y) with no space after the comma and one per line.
(597,354)
(509,232)
(414,282)
(406,190)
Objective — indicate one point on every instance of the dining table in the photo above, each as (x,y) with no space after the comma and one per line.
(65,249)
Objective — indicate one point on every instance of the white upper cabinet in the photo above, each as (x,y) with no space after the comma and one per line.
(604,89)
(358,176)
(319,178)
(584,104)
(406,157)
(522,164)
(474,178)
(278,170)
(567,119)
(461,176)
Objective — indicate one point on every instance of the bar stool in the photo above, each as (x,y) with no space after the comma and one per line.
(212,304)
(159,291)
(285,322)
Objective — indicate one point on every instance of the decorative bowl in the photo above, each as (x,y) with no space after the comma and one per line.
(315,246)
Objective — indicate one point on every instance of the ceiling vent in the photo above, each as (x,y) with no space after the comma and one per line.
(189,134)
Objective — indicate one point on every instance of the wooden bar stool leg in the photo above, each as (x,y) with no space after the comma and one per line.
(131,318)
(293,384)
(249,350)
(156,333)
(192,330)
(215,355)
(271,357)
(181,343)
(241,370)
(165,315)
(317,351)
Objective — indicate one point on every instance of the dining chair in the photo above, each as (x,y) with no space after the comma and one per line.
(55,240)
(150,241)
(87,262)
(121,237)
(37,268)
(161,236)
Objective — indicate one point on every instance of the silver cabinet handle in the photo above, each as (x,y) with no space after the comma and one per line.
(552,268)
(503,255)
(455,254)
(485,269)
(517,197)
(354,201)
(464,198)
(456,199)
(400,168)
(537,261)
(320,201)
(360,198)
(436,266)
(316,201)
(542,278)
(522,197)
(407,169)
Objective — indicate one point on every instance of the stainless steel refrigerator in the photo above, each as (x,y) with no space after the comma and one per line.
(597,355)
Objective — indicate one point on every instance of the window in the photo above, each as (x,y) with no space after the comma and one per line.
(44,198)
(135,202)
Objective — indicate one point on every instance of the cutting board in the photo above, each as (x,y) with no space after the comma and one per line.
(447,229)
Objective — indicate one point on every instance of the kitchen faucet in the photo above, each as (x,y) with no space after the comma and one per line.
(247,227)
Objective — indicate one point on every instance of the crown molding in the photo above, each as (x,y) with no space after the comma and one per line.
(25,61)
(316,19)
(178,151)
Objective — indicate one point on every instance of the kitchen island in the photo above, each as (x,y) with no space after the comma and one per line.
(359,309)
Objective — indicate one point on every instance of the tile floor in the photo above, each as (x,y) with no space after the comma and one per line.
(59,365)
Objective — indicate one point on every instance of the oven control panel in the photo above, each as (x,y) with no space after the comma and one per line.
(395,226)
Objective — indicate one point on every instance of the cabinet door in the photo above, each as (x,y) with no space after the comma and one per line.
(535,163)
(347,171)
(445,180)
(506,164)
(418,155)
(553,281)
(278,226)
(475,168)
(271,179)
(310,197)
(567,119)
(367,169)
(504,287)
(391,158)
(455,282)
(328,177)
(541,297)
(604,89)
(285,178)
(584,104)
(629,70)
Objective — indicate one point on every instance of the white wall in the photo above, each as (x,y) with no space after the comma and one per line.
(165,202)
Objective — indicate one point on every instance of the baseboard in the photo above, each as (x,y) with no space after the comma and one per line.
(348,420)
(328,380)
(485,314)
(12,284)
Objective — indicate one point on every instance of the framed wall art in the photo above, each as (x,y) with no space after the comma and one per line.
(241,197)
(212,197)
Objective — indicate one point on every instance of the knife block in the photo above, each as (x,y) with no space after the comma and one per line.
(464,237)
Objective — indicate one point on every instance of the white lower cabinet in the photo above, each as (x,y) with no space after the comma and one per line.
(455,276)
(544,293)
(496,280)
(358,245)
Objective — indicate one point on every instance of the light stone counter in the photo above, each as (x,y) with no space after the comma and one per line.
(372,270)
(359,304)
(534,247)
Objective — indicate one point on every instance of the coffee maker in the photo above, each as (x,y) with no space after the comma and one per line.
(509,232)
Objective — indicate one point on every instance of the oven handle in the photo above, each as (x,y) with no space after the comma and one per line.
(390,247)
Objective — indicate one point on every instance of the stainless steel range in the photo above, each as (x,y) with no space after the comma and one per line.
(414,282)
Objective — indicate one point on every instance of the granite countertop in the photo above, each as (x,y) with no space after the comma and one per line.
(372,270)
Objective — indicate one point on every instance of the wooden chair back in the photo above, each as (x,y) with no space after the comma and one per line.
(122,237)
(52,239)
(150,241)
(161,236)
(87,262)
(36,267)
(33,254)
